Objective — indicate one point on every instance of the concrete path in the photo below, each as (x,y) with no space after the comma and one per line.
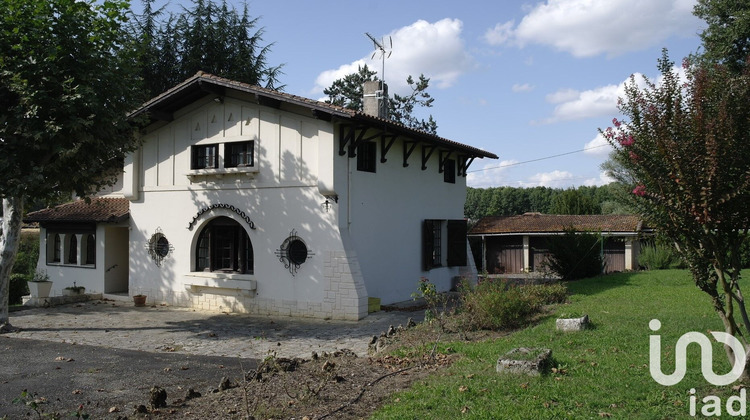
(120,325)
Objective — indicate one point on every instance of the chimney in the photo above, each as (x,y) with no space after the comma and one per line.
(375,100)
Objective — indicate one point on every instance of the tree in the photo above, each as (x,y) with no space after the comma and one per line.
(682,151)
(574,201)
(726,39)
(210,37)
(347,92)
(67,82)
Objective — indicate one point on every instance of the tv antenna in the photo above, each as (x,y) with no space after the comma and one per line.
(379,46)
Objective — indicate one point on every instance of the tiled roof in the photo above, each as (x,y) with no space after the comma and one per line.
(100,209)
(553,223)
(203,83)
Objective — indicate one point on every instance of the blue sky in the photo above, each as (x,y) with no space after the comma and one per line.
(524,80)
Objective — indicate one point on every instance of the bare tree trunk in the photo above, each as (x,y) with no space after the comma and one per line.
(9,241)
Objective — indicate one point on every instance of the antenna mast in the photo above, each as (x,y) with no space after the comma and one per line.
(379,46)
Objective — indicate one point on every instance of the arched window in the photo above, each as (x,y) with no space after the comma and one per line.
(223,246)
(73,250)
(90,249)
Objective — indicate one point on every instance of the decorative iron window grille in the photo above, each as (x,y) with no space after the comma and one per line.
(159,247)
(293,252)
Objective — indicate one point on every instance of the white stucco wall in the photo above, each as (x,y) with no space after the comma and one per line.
(64,274)
(383,214)
(281,197)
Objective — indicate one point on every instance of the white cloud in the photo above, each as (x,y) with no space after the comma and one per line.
(562,95)
(500,34)
(586,28)
(554,179)
(433,49)
(517,87)
(598,102)
(603,179)
(491,174)
(575,105)
(598,147)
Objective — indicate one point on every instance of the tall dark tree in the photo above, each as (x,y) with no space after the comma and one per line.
(209,36)
(347,92)
(67,82)
(574,201)
(726,39)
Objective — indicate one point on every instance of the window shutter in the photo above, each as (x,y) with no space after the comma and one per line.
(457,243)
(427,244)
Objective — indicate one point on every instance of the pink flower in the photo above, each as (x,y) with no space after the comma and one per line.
(639,190)
(616,123)
(626,141)
(634,157)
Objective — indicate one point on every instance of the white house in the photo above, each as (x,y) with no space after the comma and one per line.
(251,200)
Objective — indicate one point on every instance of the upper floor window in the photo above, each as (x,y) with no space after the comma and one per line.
(366,156)
(449,171)
(238,154)
(205,156)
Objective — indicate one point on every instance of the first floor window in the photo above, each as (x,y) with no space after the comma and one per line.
(56,244)
(238,154)
(90,257)
(432,243)
(73,249)
(205,156)
(224,246)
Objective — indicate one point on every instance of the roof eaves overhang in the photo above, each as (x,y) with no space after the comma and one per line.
(162,107)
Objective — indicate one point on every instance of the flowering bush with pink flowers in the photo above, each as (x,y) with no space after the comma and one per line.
(683,152)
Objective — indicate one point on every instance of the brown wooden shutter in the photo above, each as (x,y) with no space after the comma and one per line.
(457,243)
(427,244)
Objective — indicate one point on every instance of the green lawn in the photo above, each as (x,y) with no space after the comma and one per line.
(602,372)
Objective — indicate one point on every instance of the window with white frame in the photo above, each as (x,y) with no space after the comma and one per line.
(71,248)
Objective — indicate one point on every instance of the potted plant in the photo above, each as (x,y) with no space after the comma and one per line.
(73,290)
(40,285)
(139,300)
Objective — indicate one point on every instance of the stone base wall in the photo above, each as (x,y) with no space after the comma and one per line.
(345,295)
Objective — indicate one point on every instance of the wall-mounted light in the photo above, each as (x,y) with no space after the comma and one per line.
(327,204)
(219,100)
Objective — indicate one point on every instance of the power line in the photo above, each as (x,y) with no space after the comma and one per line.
(538,159)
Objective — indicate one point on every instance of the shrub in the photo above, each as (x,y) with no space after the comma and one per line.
(575,255)
(658,257)
(495,305)
(545,294)
(18,287)
(28,253)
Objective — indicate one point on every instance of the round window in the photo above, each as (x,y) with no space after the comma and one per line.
(297,251)
(162,247)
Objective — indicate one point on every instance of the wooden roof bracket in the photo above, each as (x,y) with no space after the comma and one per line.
(444,156)
(386,142)
(409,147)
(427,154)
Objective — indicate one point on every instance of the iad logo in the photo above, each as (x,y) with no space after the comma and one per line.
(706,357)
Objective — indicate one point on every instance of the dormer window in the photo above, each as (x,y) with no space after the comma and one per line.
(205,156)
(238,154)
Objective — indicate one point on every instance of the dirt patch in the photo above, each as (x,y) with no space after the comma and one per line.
(330,386)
